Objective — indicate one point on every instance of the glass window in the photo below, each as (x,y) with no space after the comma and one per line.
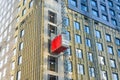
(22,32)
(84,8)
(108,38)
(66,21)
(73,2)
(114,22)
(52,63)
(14,52)
(21,46)
(13,65)
(79,53)
(98,34)
(90,57)
(115,76)
(77,25)
(105,17)
(117,0)
(18,19)
(118,7)
(94,12)
(117,41)
(94,3)
(118,52)
(112,12)
(104,75)
(18,75)
(68,35)
(24,12)
(52,77)
(68,51)
(24,2)
(101,60)
(52,17)
(19,60)
(112,63)
(31,4)
(110,50)
(68,66)
(87,30)
(88,42)
(110,3)
(91,72)
(80,69)
(77,38)
(103,8)
(99,46)
(19,8)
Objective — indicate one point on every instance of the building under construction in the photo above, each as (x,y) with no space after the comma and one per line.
(60,40)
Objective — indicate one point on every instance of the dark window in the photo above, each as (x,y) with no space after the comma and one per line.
(52,63)
(52,77)
(52,29)
(52,17)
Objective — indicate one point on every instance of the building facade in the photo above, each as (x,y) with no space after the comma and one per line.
(92,29)
(7,29)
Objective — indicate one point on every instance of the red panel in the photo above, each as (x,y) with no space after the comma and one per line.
(56,45)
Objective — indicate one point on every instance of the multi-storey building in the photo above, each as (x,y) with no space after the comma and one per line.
(91,27)
(7,30)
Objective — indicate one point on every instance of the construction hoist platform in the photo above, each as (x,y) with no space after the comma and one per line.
(60,43)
